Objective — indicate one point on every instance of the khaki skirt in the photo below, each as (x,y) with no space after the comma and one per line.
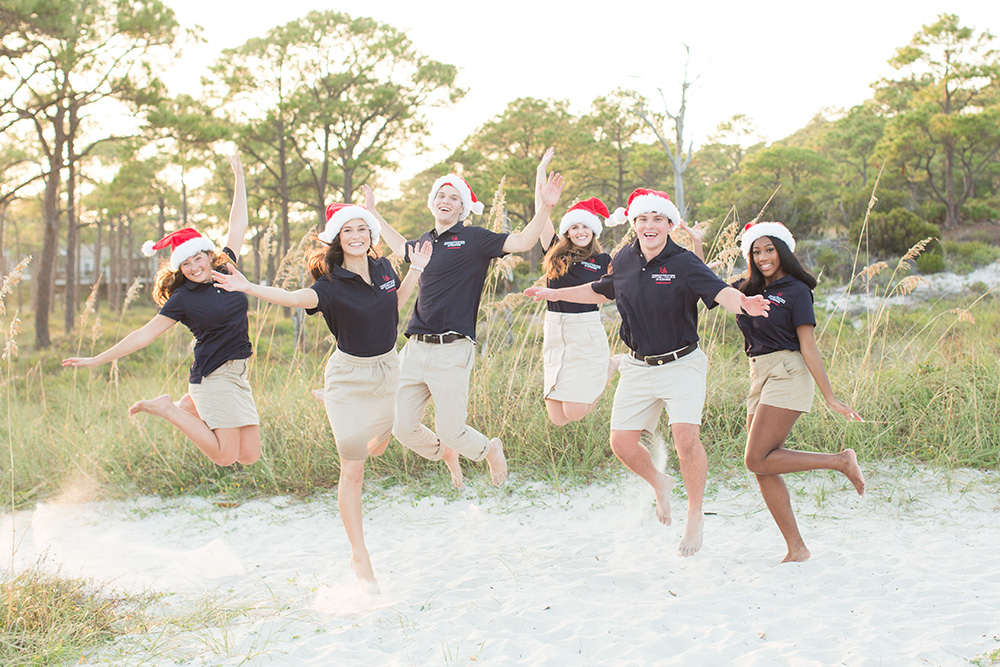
(575,354)
(360,398)
(780,379)
(224,398)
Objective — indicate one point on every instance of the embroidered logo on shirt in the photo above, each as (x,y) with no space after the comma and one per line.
(663,278)
(389,285)
(453,242)
(587,264)
(776,298)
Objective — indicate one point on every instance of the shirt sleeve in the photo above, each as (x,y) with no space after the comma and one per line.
(324,295)
(490,244)
(802,312)
(174,307)
(702,281)
(605,286)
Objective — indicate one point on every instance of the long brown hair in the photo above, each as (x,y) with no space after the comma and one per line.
(564,253)
(167,280)
(325,256)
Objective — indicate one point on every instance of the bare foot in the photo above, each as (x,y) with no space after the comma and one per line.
(319,395)
(450,458)
(796,554)
(154,406)
(663,487)
(497,462)
(853,472)
(694,533)
(366,575)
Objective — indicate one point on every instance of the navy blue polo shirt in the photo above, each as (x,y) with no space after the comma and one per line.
(791,305)
(451,284)
(362,317)
(658,299)
(579,273)
(218,320)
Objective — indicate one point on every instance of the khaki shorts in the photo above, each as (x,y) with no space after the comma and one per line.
(644,391)
(780,379)
(224,398)
(360,399)
(575,352)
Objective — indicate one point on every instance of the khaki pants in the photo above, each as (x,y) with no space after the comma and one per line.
(441,372)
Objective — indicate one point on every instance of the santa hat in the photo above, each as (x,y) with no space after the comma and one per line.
(644,200)
(589,212)
(183,244)
(337,215)
(753,231)
(469,202)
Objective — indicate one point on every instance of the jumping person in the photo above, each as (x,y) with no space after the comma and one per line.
(436,362)
(359,295)
(656,285)
(784,363)
(218,413)
(575,348)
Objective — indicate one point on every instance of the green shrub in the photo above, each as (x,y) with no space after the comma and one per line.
(980,209)
(965,257)
(930,262)
(893,232)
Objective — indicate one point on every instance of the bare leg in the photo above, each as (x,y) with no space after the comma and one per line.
(221,445)
(186,403)
(249,445)
(352,474)
(635,456)
(564,412)
(378,447)
(694,469)
(450,458)
(555,410)
(497,462)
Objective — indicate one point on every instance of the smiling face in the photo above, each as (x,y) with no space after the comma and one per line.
(197,268)
(355,238)
(447,205)
(580,234)
(652,229)
(765,257)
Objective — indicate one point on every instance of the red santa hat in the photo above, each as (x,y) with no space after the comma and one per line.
(589,212)
(469,202)
(183,244)
(754,231)
(337,215)
(644,200)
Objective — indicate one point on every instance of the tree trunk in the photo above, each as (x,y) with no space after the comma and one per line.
(71,226)
(50,239)
(114,243)
(97,265)
(951,206)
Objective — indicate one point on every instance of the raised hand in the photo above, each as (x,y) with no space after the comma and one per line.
(231,282)
(552,189)
(695,231)
(543,166)
(369,197)
(236,164)
(420,254)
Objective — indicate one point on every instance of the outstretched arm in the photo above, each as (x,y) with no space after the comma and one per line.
(237,282)
(527,237)
(814,362)
(736,302)
(392,238)
(548,230)
(579,294)
(420,254)
(136,340)
(239,220)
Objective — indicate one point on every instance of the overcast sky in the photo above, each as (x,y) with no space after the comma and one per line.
(777,62)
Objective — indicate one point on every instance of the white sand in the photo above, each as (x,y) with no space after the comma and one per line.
(908,575)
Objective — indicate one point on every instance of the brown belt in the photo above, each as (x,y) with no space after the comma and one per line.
(660,359)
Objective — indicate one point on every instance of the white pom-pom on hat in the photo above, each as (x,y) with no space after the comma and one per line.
(754,231)
(469,202)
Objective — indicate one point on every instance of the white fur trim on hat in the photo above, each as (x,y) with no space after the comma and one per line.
(579,215)
(345,215)
(774,229)
(189,248)
(653,204)
(455,181)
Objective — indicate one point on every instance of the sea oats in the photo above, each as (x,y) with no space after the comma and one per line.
(963,315)
(917,248)
(500,223)
(133,292)
(873,270)
(908,284)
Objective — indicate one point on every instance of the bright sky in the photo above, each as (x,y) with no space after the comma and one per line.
(776,62)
